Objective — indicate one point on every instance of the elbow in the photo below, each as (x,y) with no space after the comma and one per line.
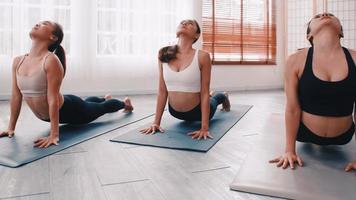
(294,111)
(162,92)
(205,90)
(205,96)
(16,96)
(53,103)
(16,99)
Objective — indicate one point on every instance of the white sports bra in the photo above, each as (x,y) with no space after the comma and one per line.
(188,80)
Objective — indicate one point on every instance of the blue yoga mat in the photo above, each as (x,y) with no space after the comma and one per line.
(175,135)
(19,150)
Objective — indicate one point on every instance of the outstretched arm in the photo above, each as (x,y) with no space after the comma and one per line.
(15,103)
(161,104)
(292,115)
(352,165)
(54,72)
(161,97)
(205,70)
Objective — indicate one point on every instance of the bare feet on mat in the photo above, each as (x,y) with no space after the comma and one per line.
(107,97)
(351,166)
(226,106)
(128,106)
(7,133)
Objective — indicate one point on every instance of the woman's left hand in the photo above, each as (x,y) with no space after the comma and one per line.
(350,166)
(45,142)
(200,134)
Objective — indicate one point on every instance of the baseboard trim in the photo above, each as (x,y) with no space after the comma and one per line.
(5,97)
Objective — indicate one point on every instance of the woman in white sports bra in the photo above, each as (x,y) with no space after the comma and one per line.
(37,78)
(184,79)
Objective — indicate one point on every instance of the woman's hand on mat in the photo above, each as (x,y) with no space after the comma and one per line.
(288,159)
(45,142)
(7,133)
(152,129)
(201,134)
(351,166)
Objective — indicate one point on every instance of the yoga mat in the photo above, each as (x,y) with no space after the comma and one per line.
(175,135)
(321,178)
(19,150)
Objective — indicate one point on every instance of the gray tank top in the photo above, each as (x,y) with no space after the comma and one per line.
(34,85)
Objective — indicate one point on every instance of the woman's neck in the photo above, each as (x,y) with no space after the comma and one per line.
(38,49)
(184,44)
(327,42)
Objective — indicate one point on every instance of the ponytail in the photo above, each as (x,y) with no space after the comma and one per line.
(61,54)
(57,48)
(168,53)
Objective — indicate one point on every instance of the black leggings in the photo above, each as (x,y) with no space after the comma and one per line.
(195,113)
(78,111)
(307,136)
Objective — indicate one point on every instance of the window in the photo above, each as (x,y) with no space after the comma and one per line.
(240,31)
(299,13)
(136,27)
(17,17)
(6,28)
(345,11)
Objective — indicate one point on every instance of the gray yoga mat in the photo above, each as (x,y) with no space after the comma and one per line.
(321,178)
(19,150)
(175,136)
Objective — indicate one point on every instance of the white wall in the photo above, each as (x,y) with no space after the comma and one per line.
(140,76)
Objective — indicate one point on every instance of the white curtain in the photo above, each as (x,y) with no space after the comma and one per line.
(17,17)
(111,45)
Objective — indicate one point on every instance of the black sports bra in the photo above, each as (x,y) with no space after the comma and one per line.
(327,98)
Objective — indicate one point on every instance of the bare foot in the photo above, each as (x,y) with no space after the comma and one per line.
(226,104)
(9,134)
(211,93)
(107,97)
(128,106)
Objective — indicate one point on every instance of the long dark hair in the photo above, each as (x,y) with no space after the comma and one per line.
(169,53)
(56,47)
(309,30)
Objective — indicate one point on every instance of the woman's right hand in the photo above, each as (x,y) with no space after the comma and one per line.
(7,133)
(152,129)
(287,159)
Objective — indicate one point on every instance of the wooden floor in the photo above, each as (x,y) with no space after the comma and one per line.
(102,170)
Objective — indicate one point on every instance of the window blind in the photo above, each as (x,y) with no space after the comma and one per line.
(240,31)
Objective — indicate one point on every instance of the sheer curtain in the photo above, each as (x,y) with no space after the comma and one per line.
(111,45)
(17,17)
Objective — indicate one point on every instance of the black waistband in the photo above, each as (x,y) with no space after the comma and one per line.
(306,135)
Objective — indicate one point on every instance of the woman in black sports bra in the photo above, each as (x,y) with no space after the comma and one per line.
(320,85)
